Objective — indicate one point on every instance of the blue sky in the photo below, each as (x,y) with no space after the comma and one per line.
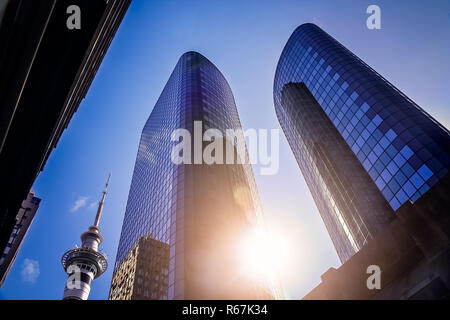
(244,39)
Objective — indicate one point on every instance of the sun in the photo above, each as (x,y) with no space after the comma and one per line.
(263,254)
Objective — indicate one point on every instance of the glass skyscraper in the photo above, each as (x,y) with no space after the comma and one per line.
(376,152)
(196,212)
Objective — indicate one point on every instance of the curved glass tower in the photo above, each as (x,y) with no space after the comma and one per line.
(183,223)
(376,150)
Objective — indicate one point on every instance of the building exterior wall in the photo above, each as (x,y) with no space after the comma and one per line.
(23,221)
(412,254)
(356,210)
(404,150)
(143,274)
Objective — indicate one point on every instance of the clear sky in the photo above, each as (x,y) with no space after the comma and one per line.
(244,39)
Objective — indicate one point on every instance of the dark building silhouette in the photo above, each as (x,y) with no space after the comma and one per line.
(24,218)
(199,211)
(45,72)
(376,165)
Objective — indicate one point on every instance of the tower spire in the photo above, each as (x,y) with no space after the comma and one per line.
(85,263)
(101,203)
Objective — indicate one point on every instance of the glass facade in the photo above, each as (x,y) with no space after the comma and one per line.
(403,150)
(353,210)
(198,210)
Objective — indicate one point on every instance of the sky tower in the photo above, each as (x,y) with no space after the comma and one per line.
(86,263)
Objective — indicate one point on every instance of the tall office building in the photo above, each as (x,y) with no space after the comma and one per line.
(367,152)
(46,69)
(23,221)
(196,212)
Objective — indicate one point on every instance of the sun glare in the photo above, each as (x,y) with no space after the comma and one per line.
(263,254)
